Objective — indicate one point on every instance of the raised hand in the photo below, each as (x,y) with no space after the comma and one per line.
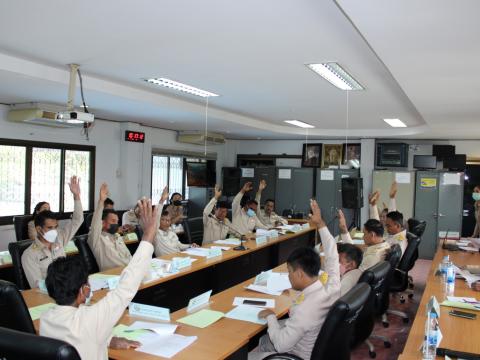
(342,223)
(393,190)
(316,217)
(262,185)
(74,186)
(247,187)
(103,192)
(148,217)
(218,192)
(373,197)
(164,196)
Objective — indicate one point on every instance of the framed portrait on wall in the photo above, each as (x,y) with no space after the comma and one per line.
(311,155)
(332,155)
(351,152)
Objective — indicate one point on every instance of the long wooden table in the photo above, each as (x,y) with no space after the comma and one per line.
(458,333)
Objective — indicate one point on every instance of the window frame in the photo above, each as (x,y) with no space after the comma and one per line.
(29,145)
(168,156)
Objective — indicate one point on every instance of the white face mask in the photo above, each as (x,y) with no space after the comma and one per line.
(51,236)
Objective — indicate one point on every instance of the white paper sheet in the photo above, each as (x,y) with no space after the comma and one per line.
(228,242)
(159,328)
(402,177)
(166,346)
(328,175)
(224,248)
(270,303)
(196,252)
(468,248)
(461,299)
(246,313)
(451,179)
(263,290)
(248,172)
(285,173)
(278,282)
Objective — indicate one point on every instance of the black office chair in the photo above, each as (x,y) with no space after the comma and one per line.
(376,278)
(87,220)
(14,311)
(84,229)
(20,224)
(417,228)
(16,250)
(186,230)
(17,345)
(393,257)
(287,213)
(399,281)
(120,216)
(86,253)
(195,226)
(333,340)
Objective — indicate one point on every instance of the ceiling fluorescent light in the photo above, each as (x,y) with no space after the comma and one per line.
(180,87)
(395,122)
(336,75)
(300,124)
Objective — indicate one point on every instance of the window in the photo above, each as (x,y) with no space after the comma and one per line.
(167,171)
(31,172)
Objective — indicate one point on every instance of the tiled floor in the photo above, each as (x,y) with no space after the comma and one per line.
(397,331)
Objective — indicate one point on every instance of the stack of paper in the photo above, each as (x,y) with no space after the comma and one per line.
(278,282)
(158,328)
(99,281)
(263,289)
(246,313)
(231,241)
(224,248)
(196,252)
(268,282)
(202,318)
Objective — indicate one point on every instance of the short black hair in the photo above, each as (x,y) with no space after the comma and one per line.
(175,193)
(352,252)
(223,205)
(40,218)
(165,213)
(106,212)
(244,200)
(65,277)
(306,259)
(250,202)
(108,201)
(396,216)
(269,200)
(38,206)
(375,226)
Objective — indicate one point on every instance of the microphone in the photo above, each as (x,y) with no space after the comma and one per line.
(240,247)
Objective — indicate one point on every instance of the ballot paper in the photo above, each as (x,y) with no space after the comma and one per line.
(165,346)
(469,278)
(263,289)
(278,282)
(246,313)
(232,241)
(99,281)
(158,328)
(269,303)
(203,252)
(223,248)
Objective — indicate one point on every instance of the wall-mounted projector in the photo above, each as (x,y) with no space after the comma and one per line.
(75,117)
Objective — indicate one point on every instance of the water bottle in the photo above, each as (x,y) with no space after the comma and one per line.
(450,279)
(443,268)
(431,337)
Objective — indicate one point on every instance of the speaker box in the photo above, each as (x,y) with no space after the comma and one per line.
(352,193)
(231,181)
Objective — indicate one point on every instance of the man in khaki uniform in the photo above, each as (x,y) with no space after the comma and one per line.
(297,334)
(268,217)
(51,240)
(107,246)
(245,219)
(166,241)
(216,226)
(396,234)
(89,328)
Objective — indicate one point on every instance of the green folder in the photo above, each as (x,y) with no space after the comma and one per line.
(37,311)
(202,318)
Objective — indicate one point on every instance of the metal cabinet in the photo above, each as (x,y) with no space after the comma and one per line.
(294,189)
(255,175)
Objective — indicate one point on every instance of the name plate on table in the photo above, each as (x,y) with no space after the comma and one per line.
(199,301)
(296,228)
(149,311)
(262,277)
(214,252)
(260,240)
(42,286)
(130,236)
(181,262)
(433,306)
(112,282)
(306,226)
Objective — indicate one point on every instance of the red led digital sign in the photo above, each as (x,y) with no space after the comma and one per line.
(134,136)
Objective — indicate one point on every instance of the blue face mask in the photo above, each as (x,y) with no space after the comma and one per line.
(476,196)
(250,213)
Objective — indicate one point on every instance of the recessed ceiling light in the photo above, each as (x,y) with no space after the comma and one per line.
(180,87)
(300,124)
(336,75)
(395,122)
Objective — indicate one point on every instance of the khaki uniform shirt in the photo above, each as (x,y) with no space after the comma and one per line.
(214,229)
(37,257)
(166,242)
(373,254)
(109,250)
(241,221)
(89,328)
(399,238)
(309,310)
(349,280)
(268,220)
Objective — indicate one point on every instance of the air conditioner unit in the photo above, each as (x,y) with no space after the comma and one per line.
(199,138)
(48,116)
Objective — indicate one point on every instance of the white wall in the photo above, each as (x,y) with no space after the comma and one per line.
(126,167)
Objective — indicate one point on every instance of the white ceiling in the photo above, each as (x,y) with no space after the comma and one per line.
(252,53)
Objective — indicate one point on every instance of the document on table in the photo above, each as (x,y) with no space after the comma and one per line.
(196,252)
(263,289)
(122,330)
(202,318)
(158,328)
(166,346)
(232,241)
(269,303)
(246,313)
(37,311)
(278,282)
(224,248)
(468,248)
(99,281)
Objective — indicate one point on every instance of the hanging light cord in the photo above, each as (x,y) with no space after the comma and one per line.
(346,129)
(206,126)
